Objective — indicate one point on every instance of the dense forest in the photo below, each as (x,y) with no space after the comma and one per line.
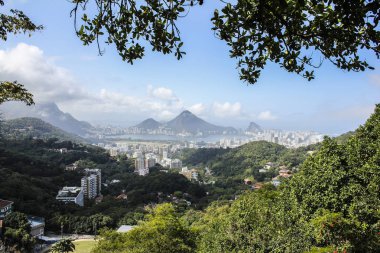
(34,170)
(246,160)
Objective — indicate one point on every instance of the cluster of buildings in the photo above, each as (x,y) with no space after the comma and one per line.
(37,224)
(191,174)
(91,186)
(143,162)
(283,173)
(292,139)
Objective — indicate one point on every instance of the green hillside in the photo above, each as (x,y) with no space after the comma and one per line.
(22,128)
(246,160)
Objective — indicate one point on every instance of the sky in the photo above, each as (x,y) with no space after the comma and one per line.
(55,66)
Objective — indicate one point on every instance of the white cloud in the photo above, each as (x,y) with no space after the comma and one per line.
(161,93)
(40,75)
(197,108)
(224,110)
(266,115)
(49,82)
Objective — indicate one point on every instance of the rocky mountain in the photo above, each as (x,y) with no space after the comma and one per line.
(35,128)
(48,112)
(253,127)
(187,122)
(149,124)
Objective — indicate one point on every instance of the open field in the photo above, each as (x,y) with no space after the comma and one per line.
(84,246)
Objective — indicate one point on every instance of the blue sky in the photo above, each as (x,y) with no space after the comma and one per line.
(55,66)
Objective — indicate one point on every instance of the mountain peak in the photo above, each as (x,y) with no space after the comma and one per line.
(253,127)
(149,124)
(50,113)
(186,113)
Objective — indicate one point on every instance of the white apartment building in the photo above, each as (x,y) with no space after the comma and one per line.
(149,162)
(140,168)
(91,183)
(71,194)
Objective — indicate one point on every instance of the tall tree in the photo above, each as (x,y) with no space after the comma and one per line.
(161,232)
(63,246)
(17,233)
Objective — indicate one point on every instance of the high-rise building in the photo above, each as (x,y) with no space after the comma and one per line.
(91,183)
(140,166)
(149,162)
(175,164)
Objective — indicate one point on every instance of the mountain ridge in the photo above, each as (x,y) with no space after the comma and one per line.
(50,113)
(187,122)
(36,128)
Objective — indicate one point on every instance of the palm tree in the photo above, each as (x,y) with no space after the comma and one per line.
(63,246)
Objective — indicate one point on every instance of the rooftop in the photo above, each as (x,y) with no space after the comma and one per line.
(4,203)
(125,228)
(69,192)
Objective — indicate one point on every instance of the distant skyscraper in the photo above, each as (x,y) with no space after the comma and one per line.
(176,164)
(149,162)
(91,183)
(140,166)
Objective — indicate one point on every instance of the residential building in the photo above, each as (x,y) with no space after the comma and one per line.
(5,208)
(150,162)
(276,181)
(175,164)
(124,228)
(91,183)
(285,173)
(89,186)
(114,152)
(37,225)
(71,194)
(190,174)
(140,167)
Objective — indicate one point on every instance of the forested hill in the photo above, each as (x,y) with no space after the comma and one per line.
(245,160)
(28,127)
(33,171)
(248,159)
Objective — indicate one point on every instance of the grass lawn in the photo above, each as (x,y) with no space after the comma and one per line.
(84,246)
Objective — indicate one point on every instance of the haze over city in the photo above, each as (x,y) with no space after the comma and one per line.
(56,67)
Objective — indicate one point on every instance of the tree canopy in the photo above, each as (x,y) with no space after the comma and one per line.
(63,246)
(161,232)
(296,34)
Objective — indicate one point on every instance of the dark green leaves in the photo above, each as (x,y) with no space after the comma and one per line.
(15,23)
(13,91)
(298,35)
(132,25)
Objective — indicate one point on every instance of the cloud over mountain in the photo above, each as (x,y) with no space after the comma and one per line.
(49,82)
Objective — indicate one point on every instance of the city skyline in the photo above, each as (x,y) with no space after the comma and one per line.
(57,68)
